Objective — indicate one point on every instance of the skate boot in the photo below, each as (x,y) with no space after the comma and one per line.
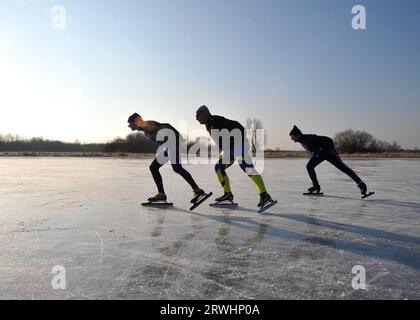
(197,194)
(199,197)
(363,188)
(228,196)
(159,197)
(265,202)
(264,199)
(314,189)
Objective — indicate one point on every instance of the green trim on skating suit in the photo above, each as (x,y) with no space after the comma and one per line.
(256,178)
(224,181)
(259,182)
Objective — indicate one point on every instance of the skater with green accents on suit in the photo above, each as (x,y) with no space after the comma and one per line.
(233,146)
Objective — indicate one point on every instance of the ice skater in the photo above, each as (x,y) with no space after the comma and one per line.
(168,154)
(238,149)
(322,148)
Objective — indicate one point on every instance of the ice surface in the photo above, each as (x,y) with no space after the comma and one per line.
(85,215)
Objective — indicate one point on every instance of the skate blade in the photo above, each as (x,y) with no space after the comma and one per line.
(157,204)
(368,195)
(203,198)
(224,204)
(267,206)
(313,194)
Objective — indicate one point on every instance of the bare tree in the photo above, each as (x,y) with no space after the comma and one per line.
(353,141)
(254,125)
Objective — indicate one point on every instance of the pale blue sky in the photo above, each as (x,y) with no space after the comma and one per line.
(285,62)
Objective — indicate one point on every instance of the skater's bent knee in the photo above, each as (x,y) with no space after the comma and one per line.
(154,167)
(218,167)
(177,168)
(246,167)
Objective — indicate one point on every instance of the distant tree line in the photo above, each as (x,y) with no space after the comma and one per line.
(15,143)
(348,141)
(352,141)
(133,143)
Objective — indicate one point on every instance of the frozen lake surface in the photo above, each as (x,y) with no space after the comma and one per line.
(85,215)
